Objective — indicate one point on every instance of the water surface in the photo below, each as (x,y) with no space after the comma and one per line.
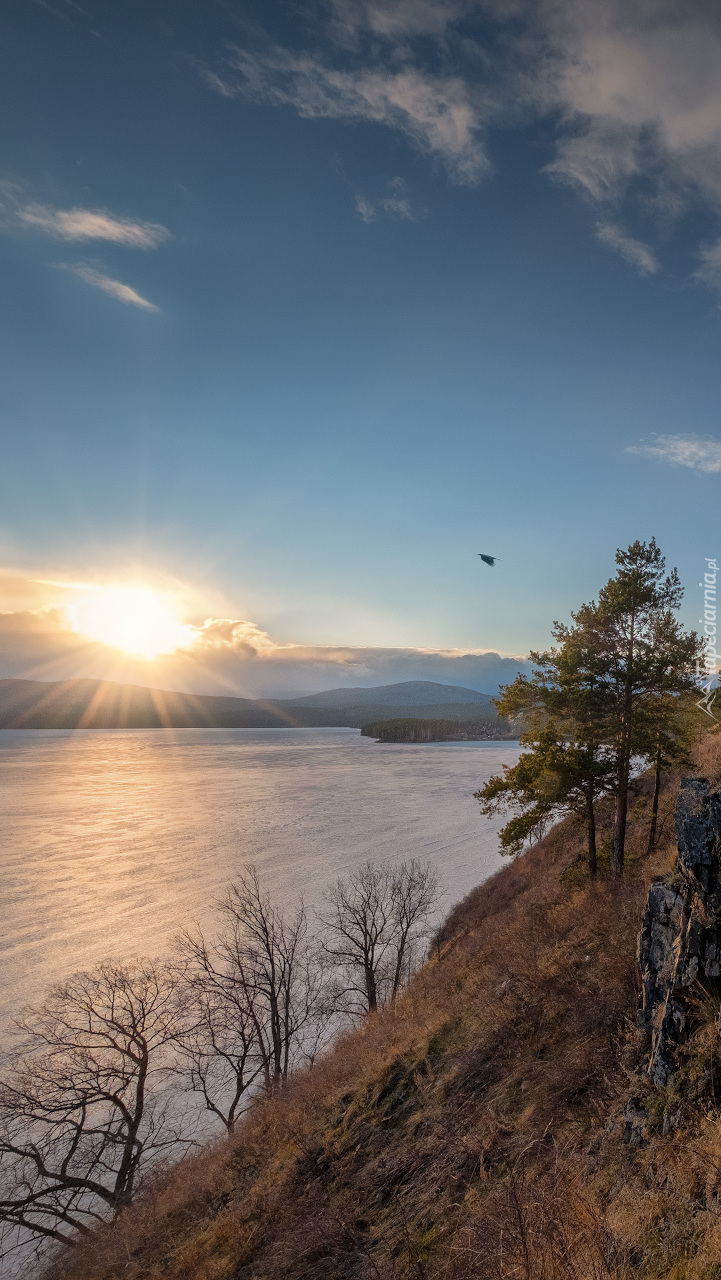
(111,840)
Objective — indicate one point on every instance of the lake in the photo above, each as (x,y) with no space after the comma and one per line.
(112,840)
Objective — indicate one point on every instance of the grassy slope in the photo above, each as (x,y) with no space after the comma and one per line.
(476,1131)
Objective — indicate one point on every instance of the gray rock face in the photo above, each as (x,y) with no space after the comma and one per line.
(680,940)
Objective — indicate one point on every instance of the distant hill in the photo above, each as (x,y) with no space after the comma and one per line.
(103,704)
(408,693)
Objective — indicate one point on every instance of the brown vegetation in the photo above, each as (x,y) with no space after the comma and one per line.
(494,1122)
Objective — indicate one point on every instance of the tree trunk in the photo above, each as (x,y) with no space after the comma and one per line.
(619,832)
(624,762)
(370,983)
(654,806)
(591,829)
(125,1177)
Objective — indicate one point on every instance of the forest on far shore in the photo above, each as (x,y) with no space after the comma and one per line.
(414,729)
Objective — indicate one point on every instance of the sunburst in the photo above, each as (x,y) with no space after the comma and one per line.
(138,620)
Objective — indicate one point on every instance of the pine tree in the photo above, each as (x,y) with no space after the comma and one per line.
(611,690)
(553,778)
(641,656)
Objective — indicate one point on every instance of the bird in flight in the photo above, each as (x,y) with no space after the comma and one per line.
(491,560)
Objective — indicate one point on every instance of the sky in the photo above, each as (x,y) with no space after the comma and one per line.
(304,305)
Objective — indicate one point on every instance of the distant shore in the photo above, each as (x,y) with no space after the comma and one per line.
(412,729)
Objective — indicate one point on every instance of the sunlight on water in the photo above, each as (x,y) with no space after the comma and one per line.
(112,840)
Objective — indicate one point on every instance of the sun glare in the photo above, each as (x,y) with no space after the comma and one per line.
(138,620)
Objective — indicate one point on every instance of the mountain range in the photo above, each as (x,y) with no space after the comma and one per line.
(103,704)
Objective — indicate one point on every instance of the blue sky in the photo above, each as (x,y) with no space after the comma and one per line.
(303,306)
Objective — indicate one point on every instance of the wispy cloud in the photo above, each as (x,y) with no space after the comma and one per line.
(639,255)
(115,288)
(396,19)
(91,224)
(639,89)
(436,111)
(396,204)
(366,209)
(633,93)
(700,453)
(709,272)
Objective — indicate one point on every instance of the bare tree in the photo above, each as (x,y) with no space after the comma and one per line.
(256,988)
(221,1053)
(274,963)
(82,1111)
(373,921)
(415,892)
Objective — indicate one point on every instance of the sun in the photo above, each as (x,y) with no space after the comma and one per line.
(139,620)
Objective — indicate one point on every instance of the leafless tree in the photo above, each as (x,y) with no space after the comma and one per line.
(274,962)
(373,922)
(257,989)
(415,892)
(82,1105)
(221,1054)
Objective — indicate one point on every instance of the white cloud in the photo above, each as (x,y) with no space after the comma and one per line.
(436,111)
(634,251)
(116,289)
(640,87)
(366,209)
(600,161)
(91,224)
(700,453)
(633,91)
(228,655)
(398,18)
(709,272)
(635,88)
(396,204)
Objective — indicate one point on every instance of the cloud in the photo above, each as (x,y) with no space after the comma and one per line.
(227,655)
(116,289)
(395,19)
(395,205)
(634,90)
(436,111)
(639,91)
(271,670)
(600,161)
(631,91)
(91,224)
(634,251)
(366,209)
(700,453)
(78,225)
(709,273)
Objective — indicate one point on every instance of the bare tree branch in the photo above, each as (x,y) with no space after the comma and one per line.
(373,921)
(81,1107)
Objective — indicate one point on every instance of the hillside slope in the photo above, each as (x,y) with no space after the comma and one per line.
(496,1124)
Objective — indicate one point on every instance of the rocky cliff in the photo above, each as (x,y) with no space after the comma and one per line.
(680,940)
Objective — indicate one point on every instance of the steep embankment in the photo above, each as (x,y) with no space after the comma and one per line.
(497,1124)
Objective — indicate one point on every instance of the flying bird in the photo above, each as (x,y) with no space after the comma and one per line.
(491,560)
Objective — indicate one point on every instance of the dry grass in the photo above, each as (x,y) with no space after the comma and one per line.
(475,1131)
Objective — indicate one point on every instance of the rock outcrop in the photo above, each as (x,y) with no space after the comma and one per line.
(680,941)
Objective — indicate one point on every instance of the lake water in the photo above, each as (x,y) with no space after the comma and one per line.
(110,841)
